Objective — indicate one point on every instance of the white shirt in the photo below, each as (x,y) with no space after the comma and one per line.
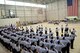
(59,47)
(17,48)
(50,51)
(56,40)
(41,50)
(25,43)
(24,51)
(65,42)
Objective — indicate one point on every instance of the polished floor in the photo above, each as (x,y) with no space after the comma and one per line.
(52,26)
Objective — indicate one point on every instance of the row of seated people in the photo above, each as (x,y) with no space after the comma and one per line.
(20,41)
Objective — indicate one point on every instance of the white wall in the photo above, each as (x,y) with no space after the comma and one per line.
(57,10)
(8,21)
(29,14)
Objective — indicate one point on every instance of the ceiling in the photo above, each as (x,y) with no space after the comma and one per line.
(37,1)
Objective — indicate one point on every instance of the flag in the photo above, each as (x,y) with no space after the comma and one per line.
(72,7)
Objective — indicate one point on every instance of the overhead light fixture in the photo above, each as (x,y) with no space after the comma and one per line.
(1,1)
(7,2)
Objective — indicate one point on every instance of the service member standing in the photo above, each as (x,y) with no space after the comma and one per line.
(57,32)
(72,40)
(45,30)
(66,28)
(62,29)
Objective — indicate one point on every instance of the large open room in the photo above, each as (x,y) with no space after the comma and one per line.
(39,26)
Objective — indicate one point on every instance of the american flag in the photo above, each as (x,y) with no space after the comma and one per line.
(72,7)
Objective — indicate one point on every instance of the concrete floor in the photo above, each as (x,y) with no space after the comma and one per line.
(52,26)
(3,49)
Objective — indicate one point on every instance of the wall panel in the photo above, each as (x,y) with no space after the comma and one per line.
(8,21)
(58,10)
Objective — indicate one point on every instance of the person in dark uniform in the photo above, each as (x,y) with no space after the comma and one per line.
(50,30)
(53,49)
(62,35)
(62,29)
(66,28)
(0,31)
(13,48)
(66,34)
(31,31)
(27,30)
(37,29)
(11,26)
(41,31)
(67,44)
(50,33)
(74,31)
(59,46)
(45,30)
(22,29)
(42,27)
(17,48)
(35,51)
(57,32)
(72,40)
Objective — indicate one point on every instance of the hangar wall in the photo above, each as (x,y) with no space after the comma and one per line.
(9,21)
(57,10)
(28,14)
